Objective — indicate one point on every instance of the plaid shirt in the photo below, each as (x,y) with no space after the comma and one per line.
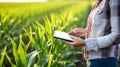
(103,28)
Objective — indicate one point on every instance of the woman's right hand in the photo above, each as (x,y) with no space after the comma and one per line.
(81,32)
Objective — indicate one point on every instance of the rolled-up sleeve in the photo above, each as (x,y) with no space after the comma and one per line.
(112,38)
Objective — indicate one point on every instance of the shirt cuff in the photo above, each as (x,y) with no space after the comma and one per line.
(91,44)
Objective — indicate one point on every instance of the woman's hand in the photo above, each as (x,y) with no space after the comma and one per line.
(81,32)
(76,42)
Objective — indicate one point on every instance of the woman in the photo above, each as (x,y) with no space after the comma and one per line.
(102,34)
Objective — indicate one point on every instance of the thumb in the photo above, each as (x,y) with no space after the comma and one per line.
(74,37)
(82,35)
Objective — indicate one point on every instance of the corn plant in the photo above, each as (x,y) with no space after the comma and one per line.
(14,17)
(32,39)
(21,58)
(41,36)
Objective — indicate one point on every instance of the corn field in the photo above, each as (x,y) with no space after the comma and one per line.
(26,33)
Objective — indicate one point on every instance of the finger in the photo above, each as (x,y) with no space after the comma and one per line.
(82,35)
(74,44)
(71,32)
(74,31)
(74,37)
(77,34)
(67,42)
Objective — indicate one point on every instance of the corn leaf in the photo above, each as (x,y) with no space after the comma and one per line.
(3,55)
(31,58)
(22,53)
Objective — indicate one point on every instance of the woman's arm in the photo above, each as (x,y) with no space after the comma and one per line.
(107,40)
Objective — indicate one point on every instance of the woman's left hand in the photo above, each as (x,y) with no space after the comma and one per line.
(77,42)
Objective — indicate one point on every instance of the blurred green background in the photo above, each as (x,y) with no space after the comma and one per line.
(27,28)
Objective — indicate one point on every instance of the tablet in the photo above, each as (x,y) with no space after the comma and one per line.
(63,36)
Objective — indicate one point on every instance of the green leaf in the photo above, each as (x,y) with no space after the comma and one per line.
(44,60)
(31,58)
(15,54)
(3,55)
(67,53)
(74,60)
(22,53)
(13,65)
(70,65)
(50,60)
